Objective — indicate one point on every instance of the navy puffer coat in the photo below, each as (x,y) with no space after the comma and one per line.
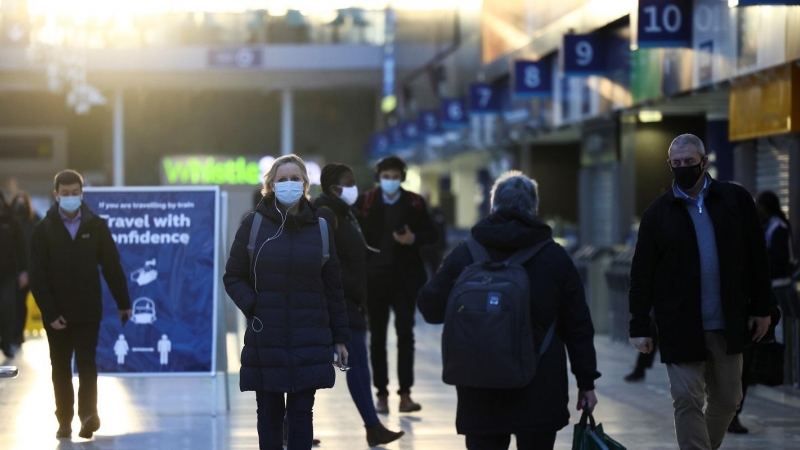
(298,300)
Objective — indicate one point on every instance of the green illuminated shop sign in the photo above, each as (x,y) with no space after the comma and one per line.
(224,170)
(189,170)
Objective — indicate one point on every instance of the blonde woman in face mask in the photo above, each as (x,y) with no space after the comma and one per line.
(291,294)
(339,193)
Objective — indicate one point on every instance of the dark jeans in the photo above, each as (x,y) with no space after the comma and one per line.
(8,306)
(79,338)
(22,315)
(388,292)
(534,441)
(296,408)
(358,377)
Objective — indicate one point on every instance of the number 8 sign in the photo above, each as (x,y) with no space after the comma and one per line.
(533,78)
(664,23)
(584,54)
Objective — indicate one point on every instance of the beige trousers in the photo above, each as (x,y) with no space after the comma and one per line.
(717,380)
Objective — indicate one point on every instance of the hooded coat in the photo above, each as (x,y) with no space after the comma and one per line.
(556,294)
(297,300)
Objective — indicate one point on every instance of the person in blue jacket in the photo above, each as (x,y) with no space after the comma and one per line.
(293,300)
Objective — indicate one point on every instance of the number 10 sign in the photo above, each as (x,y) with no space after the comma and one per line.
(664,23)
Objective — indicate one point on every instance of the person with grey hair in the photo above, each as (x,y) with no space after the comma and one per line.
(559,318)
(701,266)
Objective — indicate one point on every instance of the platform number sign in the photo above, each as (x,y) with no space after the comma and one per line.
(428,121)
(664,23)
(484,99)
(533,78)
(584,54)
(454,113)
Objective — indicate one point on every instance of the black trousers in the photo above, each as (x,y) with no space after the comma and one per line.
(22,315)
(388,292)
(79,338)
(8,307)
(534,441)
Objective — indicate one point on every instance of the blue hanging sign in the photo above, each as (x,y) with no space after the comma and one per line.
(584,54)
(379,145)
(168,242)
(428,121)
(454,113)
(484,98)
(411,131)
(664,23)
(764,2)
(396,137)
(533,78)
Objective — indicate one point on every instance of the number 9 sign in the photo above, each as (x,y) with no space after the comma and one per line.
(583,54)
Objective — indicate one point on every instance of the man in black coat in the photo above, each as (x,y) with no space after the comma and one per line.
(13,266)
(535,412)
(701,266)
(397,223)
(67,246)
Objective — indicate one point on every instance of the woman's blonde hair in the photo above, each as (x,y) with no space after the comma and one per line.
(268,186)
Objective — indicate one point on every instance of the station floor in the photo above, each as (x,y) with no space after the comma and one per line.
(175,413)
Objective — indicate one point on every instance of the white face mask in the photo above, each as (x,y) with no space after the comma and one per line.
(349,195)
(289,192)
(70,204)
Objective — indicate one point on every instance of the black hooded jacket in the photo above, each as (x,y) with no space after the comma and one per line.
(556,294)
(64,275)
(297,300)
(352,251)
(12,247)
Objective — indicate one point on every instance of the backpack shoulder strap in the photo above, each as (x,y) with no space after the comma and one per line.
(323,231)
(254,227)
(478,251)
(524,255)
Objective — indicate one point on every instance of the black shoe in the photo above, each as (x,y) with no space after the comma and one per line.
(89,425)
(64,432)
(736,427)
(638,374)
(8,352)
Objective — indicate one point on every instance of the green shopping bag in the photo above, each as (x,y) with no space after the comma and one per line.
(589,436)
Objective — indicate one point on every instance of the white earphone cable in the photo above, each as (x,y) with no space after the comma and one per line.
(255,260)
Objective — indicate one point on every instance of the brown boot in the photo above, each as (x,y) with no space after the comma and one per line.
(382,405)
(379,435)
(407,405)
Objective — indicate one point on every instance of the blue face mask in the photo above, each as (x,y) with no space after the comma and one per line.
(70,204)
(390,186)
(289,192)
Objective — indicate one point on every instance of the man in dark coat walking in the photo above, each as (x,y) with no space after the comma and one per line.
(13,266)
(67,246)
(701,266)
(396,222)
(535,412)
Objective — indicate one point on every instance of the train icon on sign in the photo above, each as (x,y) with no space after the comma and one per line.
(144,311)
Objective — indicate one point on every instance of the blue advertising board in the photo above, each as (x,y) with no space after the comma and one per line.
(454,113)
(485,98)
(533,78)
(584,54)
(664,23)
(168,241)
(428,121)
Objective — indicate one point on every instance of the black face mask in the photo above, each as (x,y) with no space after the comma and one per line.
(686,177)
(21,210)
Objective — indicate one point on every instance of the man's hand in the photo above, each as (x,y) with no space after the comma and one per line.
(643,344)
(586,399)
(59,324)
(406,238)
(23,280)
(125,315)
(341,354)
(761,326)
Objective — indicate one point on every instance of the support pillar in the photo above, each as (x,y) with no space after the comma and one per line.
(287,122)
(119,139)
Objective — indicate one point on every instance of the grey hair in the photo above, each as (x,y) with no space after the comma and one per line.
(688,140)
(514,190)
